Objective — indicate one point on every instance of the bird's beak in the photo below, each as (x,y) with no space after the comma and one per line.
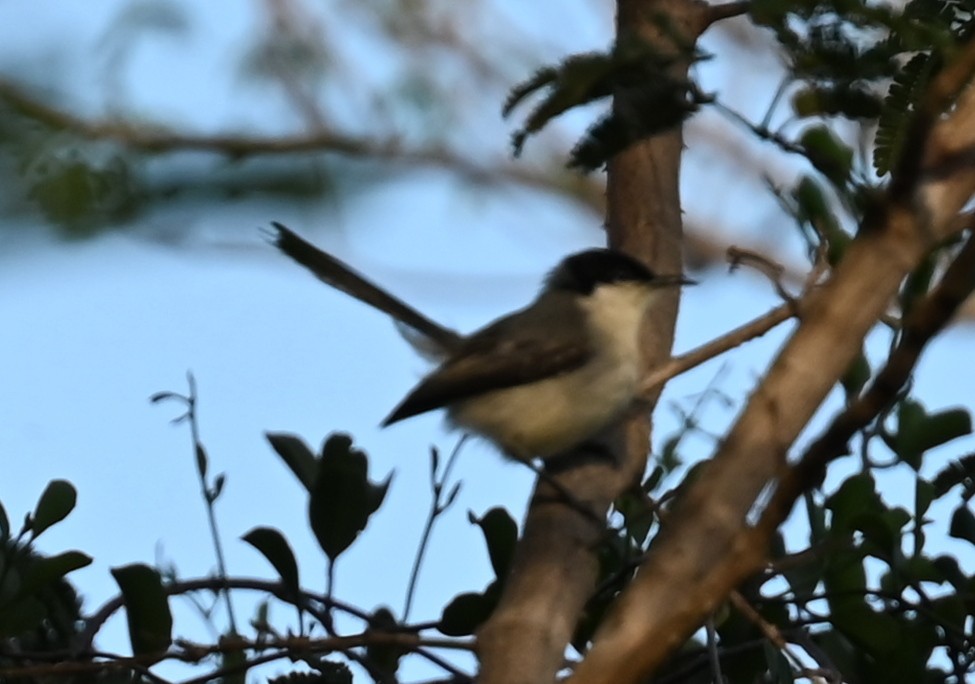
(672,281)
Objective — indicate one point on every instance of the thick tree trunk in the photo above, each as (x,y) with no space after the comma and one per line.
(710,546)
(555,566)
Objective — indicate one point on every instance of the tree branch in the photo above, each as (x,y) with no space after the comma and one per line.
(307,600)
(929,317)
(710,547)
(185,651)
(551,177)
(556,564)
(707,351)
(157,139)
(93,623)
(716,13)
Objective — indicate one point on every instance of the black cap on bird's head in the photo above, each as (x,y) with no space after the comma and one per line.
(585,271)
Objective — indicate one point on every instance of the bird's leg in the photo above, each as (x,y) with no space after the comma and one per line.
(564,494)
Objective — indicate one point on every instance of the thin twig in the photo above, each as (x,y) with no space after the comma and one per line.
(208,493)
(713,654)
(194,653)
(749,331)
(94,623)
(438,506)
(307,600)
(66,667)
(772,270)
(827,669)
(158,139)
(779,141)
(328,623)
(769,630)
(420,651)
(774,103)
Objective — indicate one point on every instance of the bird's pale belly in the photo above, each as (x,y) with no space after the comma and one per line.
(548,417)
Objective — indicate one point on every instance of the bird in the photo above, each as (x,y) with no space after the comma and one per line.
(538,381)
(551,376)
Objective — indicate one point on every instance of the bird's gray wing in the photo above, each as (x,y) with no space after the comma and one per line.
(490,361)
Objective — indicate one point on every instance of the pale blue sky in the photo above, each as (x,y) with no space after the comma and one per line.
(92,328)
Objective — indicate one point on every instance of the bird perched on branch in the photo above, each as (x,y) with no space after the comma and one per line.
(540,380)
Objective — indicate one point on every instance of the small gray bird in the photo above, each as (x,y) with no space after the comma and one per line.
(538,381)
(544,379)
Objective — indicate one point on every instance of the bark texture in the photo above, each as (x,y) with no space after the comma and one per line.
(710,546)
(555,565)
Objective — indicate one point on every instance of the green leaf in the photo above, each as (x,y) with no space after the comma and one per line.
(804,577)
(261,621)
(813,211)
(883,529)
(857,507)
(827,153)
(579,79)
(951,571)
(669,458)
(816,515)
(921,569)
(342,498)
(635,71)
(334,672)
(584,78)
(855,498)
(4,524)
(952,610)
(653,480)
(146,608)
(918,282)
(958,472)
(501,535)
(898,111)
(638,515)
(25,612)
(836,99)
(963,524)
(10,578)
(218,485)
(656,105)
(779,668)
(845,582)
(78,193)
(275,548)
(911,417)
(296,456)
(856,377)
(56,502)
(47,569)
(466,612)
(918,431)
(944,426)
(201,461)
(541,78)
(434,463)
(924,494)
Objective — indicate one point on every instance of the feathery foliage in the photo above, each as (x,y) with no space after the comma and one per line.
(635,72)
